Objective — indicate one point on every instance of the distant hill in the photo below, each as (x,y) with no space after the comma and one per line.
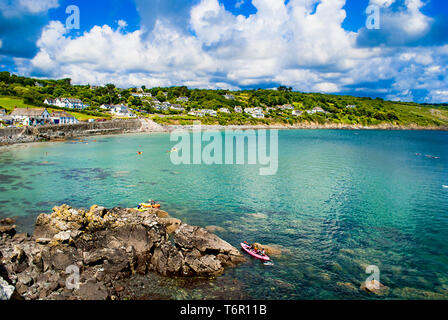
(337,109)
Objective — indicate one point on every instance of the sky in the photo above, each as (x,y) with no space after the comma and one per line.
(310,45)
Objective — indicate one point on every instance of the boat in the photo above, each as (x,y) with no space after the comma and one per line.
(248,249)
(148,205)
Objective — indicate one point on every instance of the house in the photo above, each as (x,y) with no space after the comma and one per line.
(177,107)
(210,112)
(316,110)
(142,95)
(197,113)
(297,112)
(258,115)
(122,111)
(229,96)
(286,107)
(238,109)
(31,116)
(249,110)
(106,106)
(182,99)
(268,109)
(62,117)
(351,106)
(71,103)
(2,112)
(224,110)
(161,107)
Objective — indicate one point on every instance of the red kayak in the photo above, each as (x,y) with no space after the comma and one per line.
(250,251)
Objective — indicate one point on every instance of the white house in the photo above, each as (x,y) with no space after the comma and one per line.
(238,109)
(106,106)
(177,107)
(142,95)
(286,107)
(122,111)
(210,112)
(316,110)
(224,110)
(229,96)
(297,112)
(31,116)
(351,106)
(197,113)
(182,99)
(258,115)
(71,103)
(62,117)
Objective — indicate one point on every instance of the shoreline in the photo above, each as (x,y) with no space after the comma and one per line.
(149,126)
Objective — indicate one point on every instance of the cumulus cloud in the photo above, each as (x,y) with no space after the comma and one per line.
(300,43)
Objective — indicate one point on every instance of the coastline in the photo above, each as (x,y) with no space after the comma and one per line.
(149,126)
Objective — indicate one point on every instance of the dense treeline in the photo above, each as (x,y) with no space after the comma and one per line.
(368,111)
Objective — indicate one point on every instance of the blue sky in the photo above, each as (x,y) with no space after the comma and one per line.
(311,45)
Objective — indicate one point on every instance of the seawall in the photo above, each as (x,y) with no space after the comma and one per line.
(66,131)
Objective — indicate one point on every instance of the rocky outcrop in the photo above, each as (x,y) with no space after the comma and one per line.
(79,254)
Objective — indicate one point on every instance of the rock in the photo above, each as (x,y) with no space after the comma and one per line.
(63,236)
(43,240)
(9,230)
(347,285)
(204,265)
(92,291)
(214,229)
(171,224)
(6,290)
(102,246)
(25,279)
(375,287)
(7,221)
(167,260)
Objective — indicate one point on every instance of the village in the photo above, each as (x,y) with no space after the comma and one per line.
(42,116)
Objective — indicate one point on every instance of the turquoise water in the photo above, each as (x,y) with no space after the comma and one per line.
(341,200)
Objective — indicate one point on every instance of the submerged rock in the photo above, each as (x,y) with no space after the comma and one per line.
(96,247)
(374,287)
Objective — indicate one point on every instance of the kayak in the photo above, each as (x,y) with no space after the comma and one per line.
(253,254)
(148,205)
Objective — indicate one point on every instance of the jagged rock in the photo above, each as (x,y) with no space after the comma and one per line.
(189,237)
(9,230)
(6,290)
(7,221)
(167,259)
(63,236)
(171,224)
(92,291)
(105,245)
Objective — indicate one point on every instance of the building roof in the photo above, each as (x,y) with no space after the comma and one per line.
(28,112)
(61,114)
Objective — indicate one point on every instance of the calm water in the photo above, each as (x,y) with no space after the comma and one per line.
(341,200)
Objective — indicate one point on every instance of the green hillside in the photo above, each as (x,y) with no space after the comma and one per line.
(27,92)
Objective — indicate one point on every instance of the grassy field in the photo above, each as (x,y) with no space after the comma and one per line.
(9,103)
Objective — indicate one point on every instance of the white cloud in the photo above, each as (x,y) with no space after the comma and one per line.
(281,43)
(14,8)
